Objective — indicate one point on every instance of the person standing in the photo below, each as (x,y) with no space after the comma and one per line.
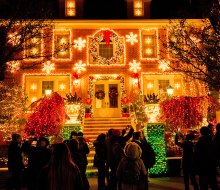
(217,144)
(61,172)
(15,163)
(79,161)
(38,157)
(204,160)
(100,159)
(131,172)
(188,150)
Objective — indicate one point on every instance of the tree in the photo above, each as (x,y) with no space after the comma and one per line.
(48,117)
(195,48)
(23,26)
(12,110)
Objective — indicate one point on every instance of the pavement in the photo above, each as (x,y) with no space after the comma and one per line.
(163,183)
(158,183)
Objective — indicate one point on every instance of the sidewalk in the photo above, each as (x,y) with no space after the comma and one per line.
(165,183)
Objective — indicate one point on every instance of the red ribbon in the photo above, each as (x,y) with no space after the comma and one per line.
(106,37)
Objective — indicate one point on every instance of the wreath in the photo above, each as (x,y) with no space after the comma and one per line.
(100,94)
(93,49)
(113,93)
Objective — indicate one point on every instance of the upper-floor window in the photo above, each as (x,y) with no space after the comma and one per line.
(33,48)
(70,8)
(61,44)
(106,49)
(149,44)
(138,8)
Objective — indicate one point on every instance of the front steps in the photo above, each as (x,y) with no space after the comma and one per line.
(95,126)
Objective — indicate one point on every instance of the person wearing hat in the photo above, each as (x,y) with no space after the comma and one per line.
(132,160)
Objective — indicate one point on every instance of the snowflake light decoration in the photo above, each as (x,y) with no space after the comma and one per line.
(48,67)
(13,66)
(135,66)
(80,43)
(14,38)
(163,65)
(132,38)
(78,67)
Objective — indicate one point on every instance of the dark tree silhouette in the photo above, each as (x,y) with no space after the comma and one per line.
(195,48)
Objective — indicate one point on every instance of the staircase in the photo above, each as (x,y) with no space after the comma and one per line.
(95,126)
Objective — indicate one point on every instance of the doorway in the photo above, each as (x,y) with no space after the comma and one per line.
(106,98)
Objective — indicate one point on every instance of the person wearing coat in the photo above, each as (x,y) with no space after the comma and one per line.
(133,152)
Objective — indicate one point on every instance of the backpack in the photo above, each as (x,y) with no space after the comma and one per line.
(131,172)
(151,157)
(148,155)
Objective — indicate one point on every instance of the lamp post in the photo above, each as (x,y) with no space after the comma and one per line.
(170,90)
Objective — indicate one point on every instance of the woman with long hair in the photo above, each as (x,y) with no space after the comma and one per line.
(61,173)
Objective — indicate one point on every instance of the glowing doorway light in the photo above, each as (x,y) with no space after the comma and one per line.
(135,66)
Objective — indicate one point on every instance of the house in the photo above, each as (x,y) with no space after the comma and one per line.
(104,60)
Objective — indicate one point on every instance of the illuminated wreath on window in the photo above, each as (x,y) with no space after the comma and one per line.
(93,49)
(100,94)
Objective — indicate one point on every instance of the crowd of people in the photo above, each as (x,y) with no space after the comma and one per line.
(63,164)
(201,158)
(116,148)
(45,166)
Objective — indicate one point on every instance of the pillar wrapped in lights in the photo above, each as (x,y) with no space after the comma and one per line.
(155,136)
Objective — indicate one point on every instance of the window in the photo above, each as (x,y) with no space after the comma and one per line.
(163,85)
(70,8)
(61,44)
(47,85)
(158,84)
(149,44)
(35,85)
(138,8)
(33,48)
(105,51)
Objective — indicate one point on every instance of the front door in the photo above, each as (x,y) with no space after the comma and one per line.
(106,98)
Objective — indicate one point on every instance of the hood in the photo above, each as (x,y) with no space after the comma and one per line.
(132,150)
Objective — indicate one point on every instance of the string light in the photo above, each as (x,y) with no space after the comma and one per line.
(13,66)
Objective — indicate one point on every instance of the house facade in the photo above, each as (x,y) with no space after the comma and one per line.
(111,57)
(106,60)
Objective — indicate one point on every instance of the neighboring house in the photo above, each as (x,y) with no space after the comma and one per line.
(116,56)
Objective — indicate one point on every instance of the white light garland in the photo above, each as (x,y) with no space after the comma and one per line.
(13,66)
